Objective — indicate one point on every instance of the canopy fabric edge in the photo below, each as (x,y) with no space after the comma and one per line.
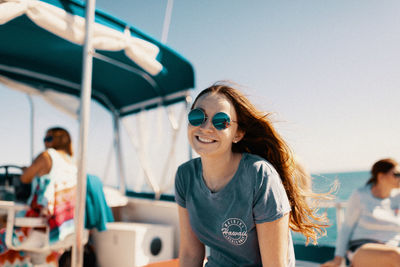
(71,28)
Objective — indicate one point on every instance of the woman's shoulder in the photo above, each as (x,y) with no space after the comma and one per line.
(257,163)
(192,164)
(52,153)
(60,155)
(44,158)
(362,192)
(257,171)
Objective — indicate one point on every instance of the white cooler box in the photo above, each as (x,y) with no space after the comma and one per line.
(126,244)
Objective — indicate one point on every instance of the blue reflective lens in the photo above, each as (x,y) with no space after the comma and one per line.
(221,121)
(196,117)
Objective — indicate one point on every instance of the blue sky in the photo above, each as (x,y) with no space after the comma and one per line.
(329,70)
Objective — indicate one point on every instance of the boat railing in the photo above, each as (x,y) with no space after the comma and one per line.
(339,206)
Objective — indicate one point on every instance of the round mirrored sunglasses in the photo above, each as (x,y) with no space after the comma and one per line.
(220,120)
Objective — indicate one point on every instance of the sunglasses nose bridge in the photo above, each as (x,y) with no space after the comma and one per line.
(207,123)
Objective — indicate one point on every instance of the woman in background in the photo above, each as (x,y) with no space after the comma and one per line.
(56,159)
(243,194)
(53,175)
(370,232)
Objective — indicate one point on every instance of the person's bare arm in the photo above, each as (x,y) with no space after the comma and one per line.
(191,250)
(273,239)
(40,166)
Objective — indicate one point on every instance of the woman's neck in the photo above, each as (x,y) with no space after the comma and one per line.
(218,171)
(380,191)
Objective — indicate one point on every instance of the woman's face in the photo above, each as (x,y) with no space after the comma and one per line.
(394,177)
(205,139)
(391,178)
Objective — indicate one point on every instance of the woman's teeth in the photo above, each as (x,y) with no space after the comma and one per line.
(205,140)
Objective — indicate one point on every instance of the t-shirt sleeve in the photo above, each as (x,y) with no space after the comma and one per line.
(270,201)
(180,192)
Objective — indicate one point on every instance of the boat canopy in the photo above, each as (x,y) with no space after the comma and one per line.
(41,47)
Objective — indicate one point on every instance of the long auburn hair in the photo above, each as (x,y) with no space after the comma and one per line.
(262,139)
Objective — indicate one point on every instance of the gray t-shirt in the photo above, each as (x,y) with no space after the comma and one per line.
(226,220)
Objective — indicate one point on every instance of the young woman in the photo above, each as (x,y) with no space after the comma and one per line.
(53,175)
(371,228)
(242,195)
(57,142)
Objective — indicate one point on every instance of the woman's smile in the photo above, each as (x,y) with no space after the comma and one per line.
(206,140)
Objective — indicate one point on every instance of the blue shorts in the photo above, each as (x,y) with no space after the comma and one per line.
(355,244)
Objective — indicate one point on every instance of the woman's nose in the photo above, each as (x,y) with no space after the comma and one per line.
(207,124)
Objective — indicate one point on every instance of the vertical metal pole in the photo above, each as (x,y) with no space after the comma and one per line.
(187,105)
(32,125)
(86,91)
(118,151)
(167,21)
(339,215)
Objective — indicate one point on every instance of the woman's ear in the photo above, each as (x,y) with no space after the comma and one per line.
(238,136)
(380,176)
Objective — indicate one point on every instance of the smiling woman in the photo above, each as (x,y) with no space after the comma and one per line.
(211,132)
(240,197)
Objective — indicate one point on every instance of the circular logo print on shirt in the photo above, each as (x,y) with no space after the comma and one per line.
(235,231)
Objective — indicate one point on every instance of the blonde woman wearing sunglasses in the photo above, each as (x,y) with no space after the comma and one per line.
(371,229)
(241,196)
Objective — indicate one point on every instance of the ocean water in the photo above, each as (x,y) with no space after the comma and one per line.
(348,182)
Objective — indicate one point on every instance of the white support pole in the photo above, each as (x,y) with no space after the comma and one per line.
(118,151)
(86,91)
(339,215)
(167,21)
(188,104)
(32,125)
